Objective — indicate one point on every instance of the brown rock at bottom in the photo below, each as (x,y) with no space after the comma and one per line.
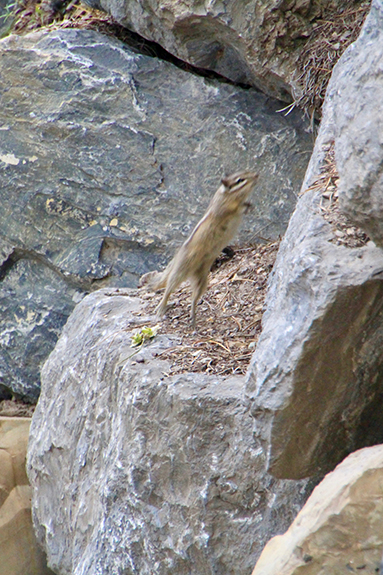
(19,552)
(340,529)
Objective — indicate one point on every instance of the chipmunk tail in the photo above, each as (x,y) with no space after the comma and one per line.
(153,280)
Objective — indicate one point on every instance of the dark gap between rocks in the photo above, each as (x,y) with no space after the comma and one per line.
(31,15)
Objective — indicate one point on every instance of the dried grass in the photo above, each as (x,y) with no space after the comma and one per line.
(325,45)
(31,15)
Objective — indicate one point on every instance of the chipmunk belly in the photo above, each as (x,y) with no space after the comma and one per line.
(223,231)
(200,251)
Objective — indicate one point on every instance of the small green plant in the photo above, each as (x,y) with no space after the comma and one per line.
(144,335)
(7,19)
(8,12)
(138,339)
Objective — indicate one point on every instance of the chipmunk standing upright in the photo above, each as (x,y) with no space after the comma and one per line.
(212,233)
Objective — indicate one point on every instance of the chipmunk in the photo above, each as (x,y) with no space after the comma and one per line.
(212,233)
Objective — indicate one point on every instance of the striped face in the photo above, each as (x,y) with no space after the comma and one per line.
(239,184)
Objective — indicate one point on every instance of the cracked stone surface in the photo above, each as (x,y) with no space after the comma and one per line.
(136,472)
(107,160)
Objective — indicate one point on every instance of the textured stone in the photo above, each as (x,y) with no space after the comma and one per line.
(19,552)
(136,472)
(316,373)
(257,42)
(340,528)
(356,96)
(107,160)
(316,376)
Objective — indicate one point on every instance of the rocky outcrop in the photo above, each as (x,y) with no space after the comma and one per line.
(359,128)
(140,472)
(339,529)
(316,376)
(257,42)
(107,160)
(19,552)
(143,472)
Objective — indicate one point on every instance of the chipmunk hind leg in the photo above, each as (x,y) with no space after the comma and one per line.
(199,285)
(173,280)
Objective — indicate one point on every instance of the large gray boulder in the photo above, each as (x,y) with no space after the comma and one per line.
(316,377)
(257,42)
(107,160)
(136,472)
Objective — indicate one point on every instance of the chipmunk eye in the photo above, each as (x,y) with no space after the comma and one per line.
(240,180)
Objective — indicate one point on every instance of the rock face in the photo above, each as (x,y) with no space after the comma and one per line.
(316,376)
(359,127)
(143,473)
(257,42)
(339,530)
(107,160)
(19,552)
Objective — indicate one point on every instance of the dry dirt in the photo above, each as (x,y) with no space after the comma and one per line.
(228,316)
(324,46)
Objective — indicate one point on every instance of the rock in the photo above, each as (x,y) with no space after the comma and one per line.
(257,42)
(136,472)
(107,160)
(339,530)
(19,552)
(358,147)
(315,380)
(35,302)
